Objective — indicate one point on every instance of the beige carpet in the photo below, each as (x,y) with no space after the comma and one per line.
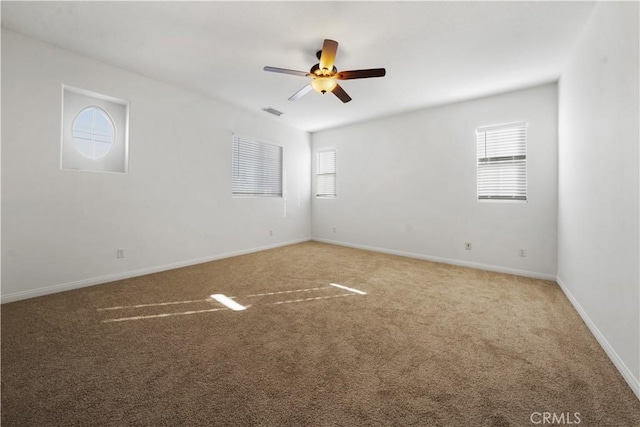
(428,345)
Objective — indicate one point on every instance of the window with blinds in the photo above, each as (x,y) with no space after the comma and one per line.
(256,169)
(326,174)
(502,162)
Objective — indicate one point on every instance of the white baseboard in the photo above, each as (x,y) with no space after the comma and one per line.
(617,361)
(480,266)
(16,296)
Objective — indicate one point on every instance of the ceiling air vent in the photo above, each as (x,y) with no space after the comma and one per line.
(273,111)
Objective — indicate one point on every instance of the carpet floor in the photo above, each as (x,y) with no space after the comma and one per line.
(428,345)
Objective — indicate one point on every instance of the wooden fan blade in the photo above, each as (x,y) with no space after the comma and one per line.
(285,71)
(361,74)
(328,56)
(340,93)
(302,92)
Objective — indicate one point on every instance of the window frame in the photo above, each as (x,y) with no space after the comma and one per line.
(511,141)
(320,173)
(254,182)
(74,102)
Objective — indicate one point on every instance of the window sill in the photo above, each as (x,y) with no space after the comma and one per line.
(501,201)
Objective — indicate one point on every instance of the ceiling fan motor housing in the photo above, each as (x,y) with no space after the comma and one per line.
(317,71)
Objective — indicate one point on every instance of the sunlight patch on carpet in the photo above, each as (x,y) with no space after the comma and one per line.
(287,292)
(348,289)
(311,299)
(158,304)
(228,302)
(152,316)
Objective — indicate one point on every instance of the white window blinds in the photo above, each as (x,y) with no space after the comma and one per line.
(502,162)
(326,173)
(256,168)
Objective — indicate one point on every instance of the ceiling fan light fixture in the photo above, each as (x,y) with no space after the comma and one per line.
(323,84)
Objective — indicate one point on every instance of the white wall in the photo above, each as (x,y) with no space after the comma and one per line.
(598,239)
(61,229)
(407,185)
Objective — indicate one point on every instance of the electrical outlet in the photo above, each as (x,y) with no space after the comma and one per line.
(467,246)
(120,253)
(270,232)
(522,252)
(335,229)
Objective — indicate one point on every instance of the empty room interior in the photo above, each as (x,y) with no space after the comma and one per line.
(320,213)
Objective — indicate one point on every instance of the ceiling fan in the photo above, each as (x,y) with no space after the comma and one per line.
(324,74)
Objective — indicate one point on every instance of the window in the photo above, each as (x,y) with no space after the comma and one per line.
(94,132)
(502,162)
(256,169)
(326,174)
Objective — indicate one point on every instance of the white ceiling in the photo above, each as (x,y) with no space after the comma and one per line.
(434,52)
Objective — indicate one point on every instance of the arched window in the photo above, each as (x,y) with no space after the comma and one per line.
(93,133)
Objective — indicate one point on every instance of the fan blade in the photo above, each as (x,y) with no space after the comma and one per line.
(328,56)
(285,71)
(361,74)
(340,93)
(302,92)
